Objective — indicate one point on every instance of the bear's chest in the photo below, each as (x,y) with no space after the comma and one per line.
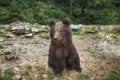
(61,52)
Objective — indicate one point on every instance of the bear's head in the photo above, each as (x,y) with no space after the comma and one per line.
(60,31)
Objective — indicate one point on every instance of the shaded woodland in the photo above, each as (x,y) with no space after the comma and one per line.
(79,11)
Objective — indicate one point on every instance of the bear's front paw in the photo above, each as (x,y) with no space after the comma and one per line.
(58,74)
(78,69)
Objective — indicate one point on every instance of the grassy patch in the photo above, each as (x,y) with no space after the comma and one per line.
(93,36)
(25,73)
(44,35)
(2,34)
(77,32)
(49,75)
(36,25)
(83,77)
(113,32)
(92,28)
(45,75)
(113,77)
(28,31)
(8,74)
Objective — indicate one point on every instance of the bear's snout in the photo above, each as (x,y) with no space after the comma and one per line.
(57,36)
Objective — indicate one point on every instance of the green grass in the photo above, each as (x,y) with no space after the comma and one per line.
(25,73)
(8,74)
(113,77)
(77,32)
(113,32)
(2,34)
(49,75)
(92,28)
(44,35)
(83,77)
(28,31)
(36,25)
(93,36)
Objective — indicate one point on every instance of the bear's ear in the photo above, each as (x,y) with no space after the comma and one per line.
(66,21)
(51,22)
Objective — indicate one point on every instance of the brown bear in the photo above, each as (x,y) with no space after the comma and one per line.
(62,53)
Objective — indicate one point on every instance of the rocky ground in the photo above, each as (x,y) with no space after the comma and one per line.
(26,58)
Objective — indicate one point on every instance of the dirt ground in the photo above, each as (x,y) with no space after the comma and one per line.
(34,54)
(96,68)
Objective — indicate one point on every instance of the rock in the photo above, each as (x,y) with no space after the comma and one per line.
(19,27)
(45,75)
(1,58)
(27,26)
(10,35)
(2,39)
(16,69)
(18,30)
(29,35)
(10,53)
(117,29)
(74,27)
(34,30)
(17,77)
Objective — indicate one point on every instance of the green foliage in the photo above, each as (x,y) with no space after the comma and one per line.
(113,77)
(4,2)
(8,74)
(79,11)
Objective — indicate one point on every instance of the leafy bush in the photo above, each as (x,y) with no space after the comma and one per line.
(39,11)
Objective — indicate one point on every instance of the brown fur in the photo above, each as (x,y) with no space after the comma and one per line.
(62,53)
